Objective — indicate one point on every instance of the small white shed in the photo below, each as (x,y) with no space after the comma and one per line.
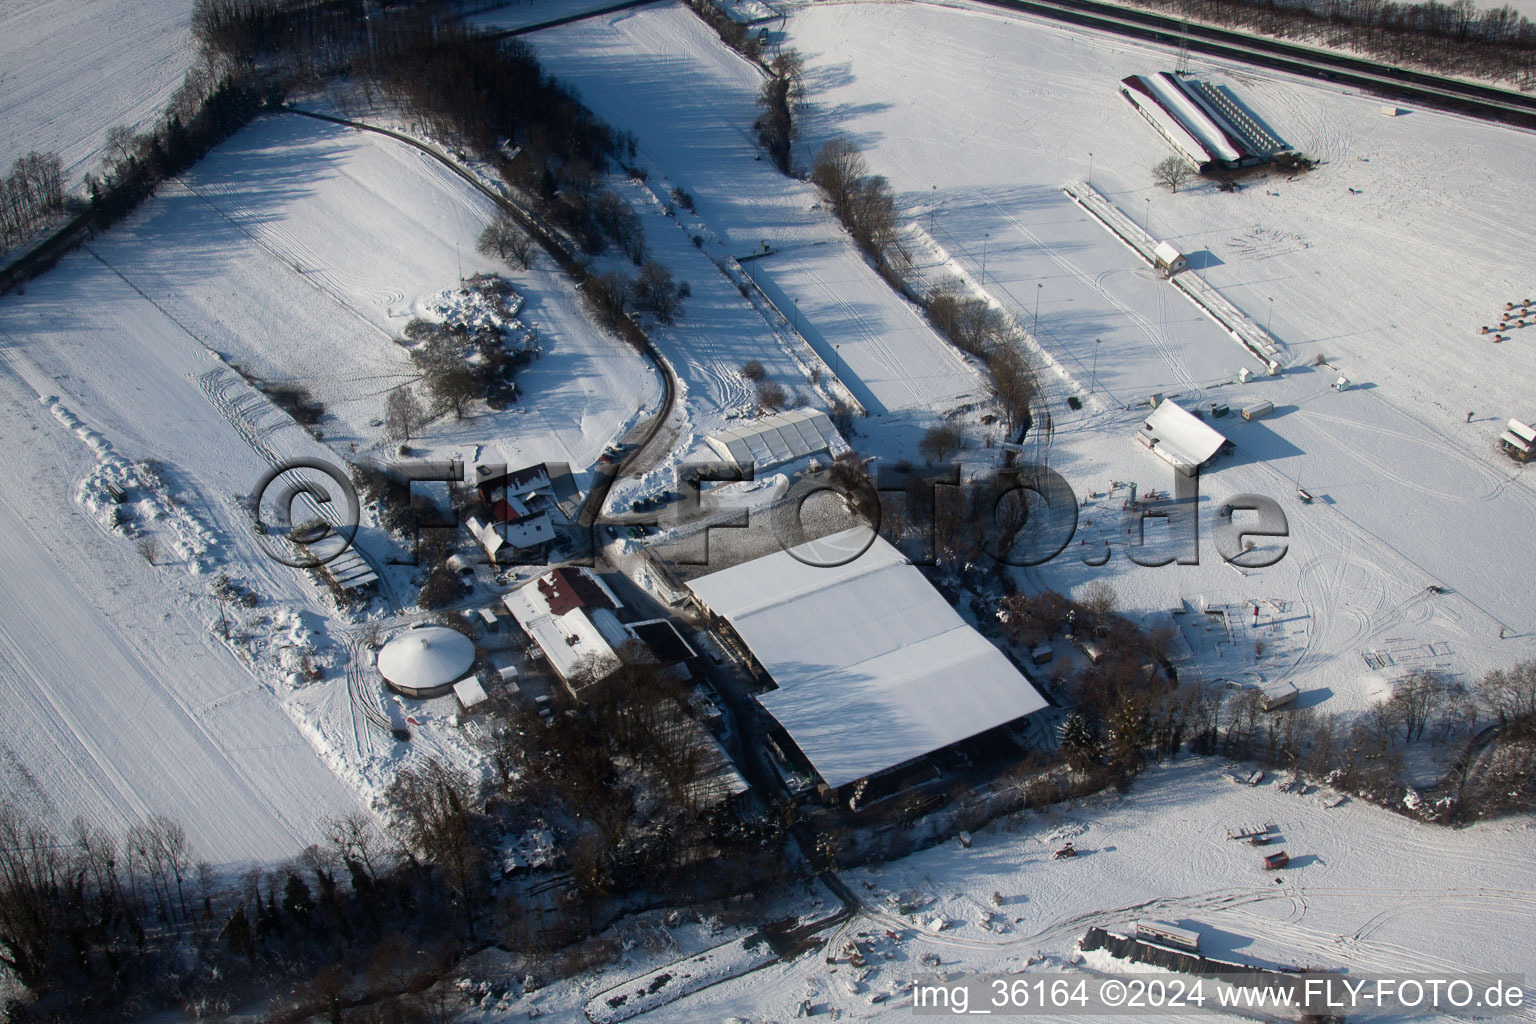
(1169,260)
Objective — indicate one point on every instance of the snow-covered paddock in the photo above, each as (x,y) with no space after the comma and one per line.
(663,74)
(1367,890)
(74,68)
(314,244)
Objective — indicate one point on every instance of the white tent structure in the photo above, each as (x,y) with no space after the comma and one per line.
(874,667)
(1180,438)
(426,661)
(777,439)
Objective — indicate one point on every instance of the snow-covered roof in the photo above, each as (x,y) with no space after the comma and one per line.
(426,657)
(469,691)
(1167,253)
(1180,436)
(569,614)
(874,666)
(774,440)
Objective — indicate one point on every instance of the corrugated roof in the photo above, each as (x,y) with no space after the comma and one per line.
(1189,440)
(773,440)
(874,666)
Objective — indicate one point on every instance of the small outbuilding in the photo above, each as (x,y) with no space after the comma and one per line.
(1518,441)
(1168,259)
(425,661)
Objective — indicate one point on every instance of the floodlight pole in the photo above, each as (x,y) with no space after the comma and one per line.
(984,239)
(1095,382)
(1090,168)
(1038,286)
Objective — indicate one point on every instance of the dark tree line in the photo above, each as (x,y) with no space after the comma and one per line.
(172,148)
(29,195)
(1457,37)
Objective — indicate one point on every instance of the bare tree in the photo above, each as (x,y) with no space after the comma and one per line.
(1171,172)
(503,239)
(446,374)
(657,293)
(1099,600)
(838,165)
(1013,384)
(403,414)
(30,867)
(770,395)
(433,806)
(941,441)
(753,371)
(1510,693)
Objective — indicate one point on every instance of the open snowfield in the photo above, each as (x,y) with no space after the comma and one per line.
(1367,890)
(71,69)
(121,700)
(317,243)
(663,74)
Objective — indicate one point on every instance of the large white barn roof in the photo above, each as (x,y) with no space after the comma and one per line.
(874,666)
(1181,437)
(774,440)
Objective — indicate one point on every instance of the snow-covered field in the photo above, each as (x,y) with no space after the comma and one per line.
(296,250)
(71,69)
(121,699)
(1366,890)
(1389,282)
(663,74)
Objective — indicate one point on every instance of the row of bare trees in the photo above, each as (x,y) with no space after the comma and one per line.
(29,195)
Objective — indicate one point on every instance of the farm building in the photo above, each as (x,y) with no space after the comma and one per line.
(873,668)
(774,440)
(1180,438)
(574,617)
(1518,441)
(425,661)
(1204,124)
(517,523)
(342,562)
(1169,260)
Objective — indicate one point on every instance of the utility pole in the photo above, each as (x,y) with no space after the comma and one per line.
(1095,383)
(1038,286)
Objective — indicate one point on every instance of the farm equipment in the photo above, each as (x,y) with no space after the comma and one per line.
(1067,850)
(1276,861)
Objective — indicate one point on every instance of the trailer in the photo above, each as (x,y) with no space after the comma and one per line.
(1276,861)
(1259,411)
(1165,934)
(1276,694)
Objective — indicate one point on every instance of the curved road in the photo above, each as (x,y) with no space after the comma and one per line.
(629,330)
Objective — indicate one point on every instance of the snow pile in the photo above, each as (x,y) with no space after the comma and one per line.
(483,303)
(128,498)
